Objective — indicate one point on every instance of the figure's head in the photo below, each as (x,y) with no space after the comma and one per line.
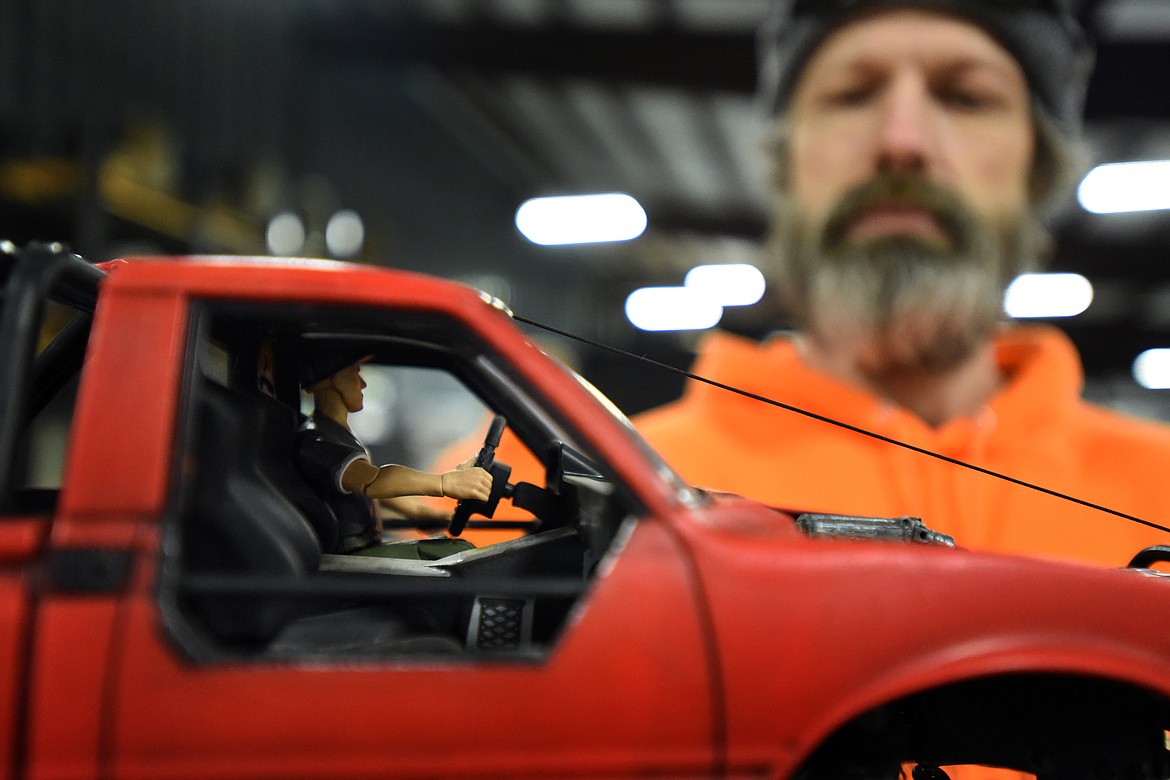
(918,142)
(328,367)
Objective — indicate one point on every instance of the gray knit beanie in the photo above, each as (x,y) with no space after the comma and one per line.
(1043,35)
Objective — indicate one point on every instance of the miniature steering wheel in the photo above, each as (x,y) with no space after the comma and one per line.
(487,454)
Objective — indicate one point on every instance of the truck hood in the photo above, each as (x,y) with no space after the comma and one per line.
(851,624)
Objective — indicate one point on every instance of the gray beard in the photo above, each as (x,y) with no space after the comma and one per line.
(889,289)
(939,301)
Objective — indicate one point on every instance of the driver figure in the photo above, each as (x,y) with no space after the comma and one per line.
(339,469)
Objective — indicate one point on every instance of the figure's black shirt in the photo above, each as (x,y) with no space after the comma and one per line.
(324,450)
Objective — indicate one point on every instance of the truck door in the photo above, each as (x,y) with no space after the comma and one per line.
(251,650)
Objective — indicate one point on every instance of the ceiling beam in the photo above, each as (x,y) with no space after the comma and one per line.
(661,55)
(664,55)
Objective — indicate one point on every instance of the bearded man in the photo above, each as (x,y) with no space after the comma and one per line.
(919,146)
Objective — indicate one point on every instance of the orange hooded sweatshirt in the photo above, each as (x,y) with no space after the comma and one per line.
(1036,429)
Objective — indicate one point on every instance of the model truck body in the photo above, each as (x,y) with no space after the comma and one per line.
(169,606)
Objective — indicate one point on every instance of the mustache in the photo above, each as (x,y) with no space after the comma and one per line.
(900,190)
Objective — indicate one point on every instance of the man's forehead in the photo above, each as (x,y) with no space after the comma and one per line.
(934,37)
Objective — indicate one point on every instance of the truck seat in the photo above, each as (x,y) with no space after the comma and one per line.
(250,512)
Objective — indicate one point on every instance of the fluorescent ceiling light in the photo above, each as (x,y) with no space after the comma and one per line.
(345,233)
(581,219)
(1131,186)
(285,234)
(698,304)
(732,284)
(1151,369)
(1047,295)
(672,308)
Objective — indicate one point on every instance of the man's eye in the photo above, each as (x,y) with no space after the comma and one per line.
(967,100)
(851,96)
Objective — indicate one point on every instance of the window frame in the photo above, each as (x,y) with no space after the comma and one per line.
(468,360)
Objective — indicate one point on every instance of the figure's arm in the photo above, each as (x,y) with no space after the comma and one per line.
(391,481)
(415,508)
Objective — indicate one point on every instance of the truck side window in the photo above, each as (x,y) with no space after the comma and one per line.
(41,448)
(256,573)
(48,437)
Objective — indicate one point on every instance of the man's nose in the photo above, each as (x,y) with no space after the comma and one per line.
(907,131)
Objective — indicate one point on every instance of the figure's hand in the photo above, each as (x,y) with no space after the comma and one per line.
(466,481)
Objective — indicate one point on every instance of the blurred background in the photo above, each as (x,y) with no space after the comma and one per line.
(409,133)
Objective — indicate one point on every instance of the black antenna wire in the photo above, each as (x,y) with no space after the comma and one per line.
(840,424)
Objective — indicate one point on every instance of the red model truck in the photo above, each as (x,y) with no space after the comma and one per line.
(169,607)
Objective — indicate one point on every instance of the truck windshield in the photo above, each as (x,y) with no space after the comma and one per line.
(685,493)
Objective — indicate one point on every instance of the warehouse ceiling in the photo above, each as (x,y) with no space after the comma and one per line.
(185,126)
